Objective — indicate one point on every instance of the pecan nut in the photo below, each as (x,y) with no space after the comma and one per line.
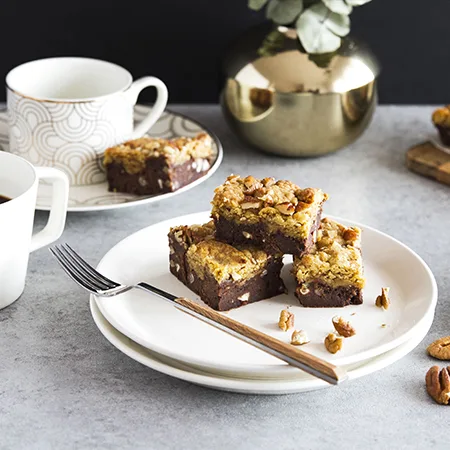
(344,328)
(286,320)
(299,337)
(440,349)
(382,300)
(286,208)
(250,203)
(333,343)
(438,384)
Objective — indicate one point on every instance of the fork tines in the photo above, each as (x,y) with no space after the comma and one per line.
(81,271)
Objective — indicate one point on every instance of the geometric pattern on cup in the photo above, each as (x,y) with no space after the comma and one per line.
(69,136)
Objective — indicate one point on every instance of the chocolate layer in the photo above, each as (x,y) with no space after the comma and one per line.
(257,234)
(317,294)
(444,133)
(158,177)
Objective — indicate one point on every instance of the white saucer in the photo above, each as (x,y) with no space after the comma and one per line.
(165,330)
(97,197)
(303,383)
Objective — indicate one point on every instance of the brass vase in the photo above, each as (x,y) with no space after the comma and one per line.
(293,104)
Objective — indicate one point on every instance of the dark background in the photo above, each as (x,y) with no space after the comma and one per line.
(182,41)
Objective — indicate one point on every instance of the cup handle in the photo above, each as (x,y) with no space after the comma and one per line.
(58,211)
(158,108)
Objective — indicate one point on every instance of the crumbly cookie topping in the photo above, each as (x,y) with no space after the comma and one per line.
(281,204)
(224,262)
(134,154)
(441,116)
(335,258)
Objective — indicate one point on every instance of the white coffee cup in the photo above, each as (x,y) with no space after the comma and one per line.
(19,181)
(64,112)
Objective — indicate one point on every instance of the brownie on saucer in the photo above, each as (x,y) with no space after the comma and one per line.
(331,274)
(277,216)
(224,276)
(149,166)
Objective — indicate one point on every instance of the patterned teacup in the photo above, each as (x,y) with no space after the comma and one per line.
(64,112)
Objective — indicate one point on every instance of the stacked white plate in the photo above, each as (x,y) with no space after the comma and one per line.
(159,336)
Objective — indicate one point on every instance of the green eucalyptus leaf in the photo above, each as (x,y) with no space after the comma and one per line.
(284,12)
(338,6)
(256,5)
(319,29)
(339,24)
(357,2)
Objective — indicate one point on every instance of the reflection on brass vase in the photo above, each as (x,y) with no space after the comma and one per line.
(291,104)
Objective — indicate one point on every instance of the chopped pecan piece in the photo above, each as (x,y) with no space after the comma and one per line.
(382,300)
(342,327)
(438,384)
(334,343)
(250,203)
(350,234)
(286,208)
(286,320)
(440,349)
(299,337)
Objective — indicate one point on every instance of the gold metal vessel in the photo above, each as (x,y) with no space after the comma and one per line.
(286,104)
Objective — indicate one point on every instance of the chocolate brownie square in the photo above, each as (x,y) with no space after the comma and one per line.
(224,277)
(149,166)
(276,216)
(331,274)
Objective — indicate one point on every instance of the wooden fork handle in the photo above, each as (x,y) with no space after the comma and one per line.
(282,350)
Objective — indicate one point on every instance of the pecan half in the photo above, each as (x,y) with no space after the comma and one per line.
(299,337)
(440,349)
(342,327)
(333,343)
(438,384)
(286,320)
(382,300)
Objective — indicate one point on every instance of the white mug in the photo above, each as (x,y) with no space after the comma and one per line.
(65,112)
(19,182)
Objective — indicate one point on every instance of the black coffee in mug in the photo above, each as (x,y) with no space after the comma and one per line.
(4,199)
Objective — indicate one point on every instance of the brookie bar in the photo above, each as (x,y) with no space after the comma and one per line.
(223,276)
(149,166)
(331,274)
(277,216)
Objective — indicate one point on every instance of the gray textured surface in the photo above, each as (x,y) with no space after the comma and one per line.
(62,385)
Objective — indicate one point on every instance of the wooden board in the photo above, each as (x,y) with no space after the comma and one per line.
(429,161)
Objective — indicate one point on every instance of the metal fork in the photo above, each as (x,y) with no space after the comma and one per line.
(94,282)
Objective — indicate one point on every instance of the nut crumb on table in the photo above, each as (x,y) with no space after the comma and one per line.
(286,320)
(343,327)
(334,343)
(438,384)
(299,337)
(383,301)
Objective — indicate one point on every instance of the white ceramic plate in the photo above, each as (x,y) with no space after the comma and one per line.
(97,197)
(160,327)
(304,383)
